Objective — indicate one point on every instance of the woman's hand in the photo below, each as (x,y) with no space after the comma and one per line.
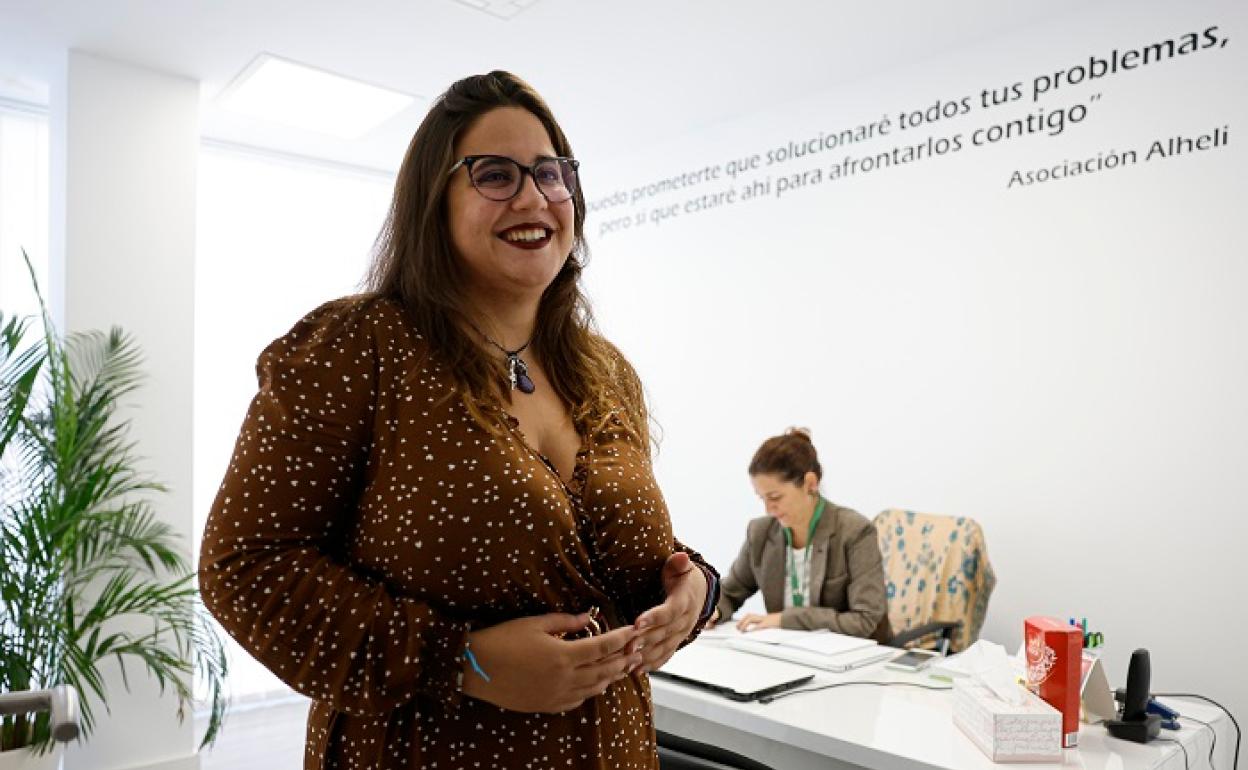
(531,669)
(664,627)
(753,622)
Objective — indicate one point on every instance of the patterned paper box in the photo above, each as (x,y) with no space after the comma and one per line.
(1029,732)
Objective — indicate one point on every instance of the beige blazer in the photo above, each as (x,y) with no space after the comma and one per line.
(846,575)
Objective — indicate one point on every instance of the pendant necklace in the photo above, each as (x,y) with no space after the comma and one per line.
(517,371)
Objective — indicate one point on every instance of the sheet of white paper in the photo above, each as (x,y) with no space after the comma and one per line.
(783,635)
(997,675)
(829,643)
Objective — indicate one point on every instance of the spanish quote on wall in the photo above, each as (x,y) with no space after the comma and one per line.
(1039,107)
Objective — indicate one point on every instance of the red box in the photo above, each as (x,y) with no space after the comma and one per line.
(1054,658)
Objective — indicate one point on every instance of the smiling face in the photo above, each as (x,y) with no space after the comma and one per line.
(509,249)
(791,503)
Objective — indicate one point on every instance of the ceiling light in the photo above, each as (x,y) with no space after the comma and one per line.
(283,91)
(503,9)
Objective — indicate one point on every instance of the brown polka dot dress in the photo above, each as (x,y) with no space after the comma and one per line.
(366,523)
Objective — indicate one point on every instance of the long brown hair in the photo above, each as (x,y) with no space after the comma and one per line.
(416,264)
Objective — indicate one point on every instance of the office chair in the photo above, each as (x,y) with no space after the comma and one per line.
(937,578)
(61,701)
(677,753)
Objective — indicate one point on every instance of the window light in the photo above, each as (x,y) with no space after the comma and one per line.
(283,91)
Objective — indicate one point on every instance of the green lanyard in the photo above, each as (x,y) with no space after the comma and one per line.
(794,583)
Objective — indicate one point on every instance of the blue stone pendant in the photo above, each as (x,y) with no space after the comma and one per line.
(519,374)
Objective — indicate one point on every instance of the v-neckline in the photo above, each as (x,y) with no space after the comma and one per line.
(573,487)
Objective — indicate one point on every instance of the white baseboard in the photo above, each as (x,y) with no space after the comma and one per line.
(181,763)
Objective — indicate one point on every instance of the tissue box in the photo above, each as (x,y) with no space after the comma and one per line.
(1054,662)
(1007,732)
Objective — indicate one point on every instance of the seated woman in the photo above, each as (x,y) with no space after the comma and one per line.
(817,564)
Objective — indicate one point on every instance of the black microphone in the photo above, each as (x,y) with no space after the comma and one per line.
(1135,705)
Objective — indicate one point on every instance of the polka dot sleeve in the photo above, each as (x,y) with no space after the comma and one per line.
(272,568)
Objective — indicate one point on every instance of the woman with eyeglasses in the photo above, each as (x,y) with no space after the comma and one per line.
(817,564)
(440,521)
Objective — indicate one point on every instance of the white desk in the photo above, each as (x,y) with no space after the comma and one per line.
(900,728)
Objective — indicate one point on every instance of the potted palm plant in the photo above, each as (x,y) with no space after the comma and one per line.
(89,575)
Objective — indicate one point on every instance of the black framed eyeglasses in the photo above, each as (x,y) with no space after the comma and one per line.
(500,178)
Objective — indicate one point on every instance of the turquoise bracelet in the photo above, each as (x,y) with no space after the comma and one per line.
(472,661)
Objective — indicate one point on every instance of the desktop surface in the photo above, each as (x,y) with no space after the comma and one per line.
(898,727)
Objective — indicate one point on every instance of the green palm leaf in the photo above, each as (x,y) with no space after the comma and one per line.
(84,558)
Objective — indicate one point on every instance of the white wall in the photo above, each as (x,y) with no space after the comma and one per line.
(1062,362)
(123,186)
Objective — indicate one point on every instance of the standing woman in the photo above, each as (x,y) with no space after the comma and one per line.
(440,521)
(817,564)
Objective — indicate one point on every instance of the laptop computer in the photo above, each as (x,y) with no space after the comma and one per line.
(734,675)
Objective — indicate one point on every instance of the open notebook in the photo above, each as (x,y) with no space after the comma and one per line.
(819,649)
(732,674)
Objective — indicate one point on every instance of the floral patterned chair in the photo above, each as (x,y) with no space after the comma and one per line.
(937,577)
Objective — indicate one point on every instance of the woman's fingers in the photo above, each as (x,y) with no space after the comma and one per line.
(533,669)
(601,673)
(600,660)
(655,616)
(658,643)
(657,654)
(591,691)
(748,622)
(558,623)
(665,626)
(596,648)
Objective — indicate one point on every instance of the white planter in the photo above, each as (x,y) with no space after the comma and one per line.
(24,759)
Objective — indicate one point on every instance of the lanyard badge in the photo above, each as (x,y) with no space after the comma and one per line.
(794,582)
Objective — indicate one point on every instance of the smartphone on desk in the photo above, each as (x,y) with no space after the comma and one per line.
(912,660)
